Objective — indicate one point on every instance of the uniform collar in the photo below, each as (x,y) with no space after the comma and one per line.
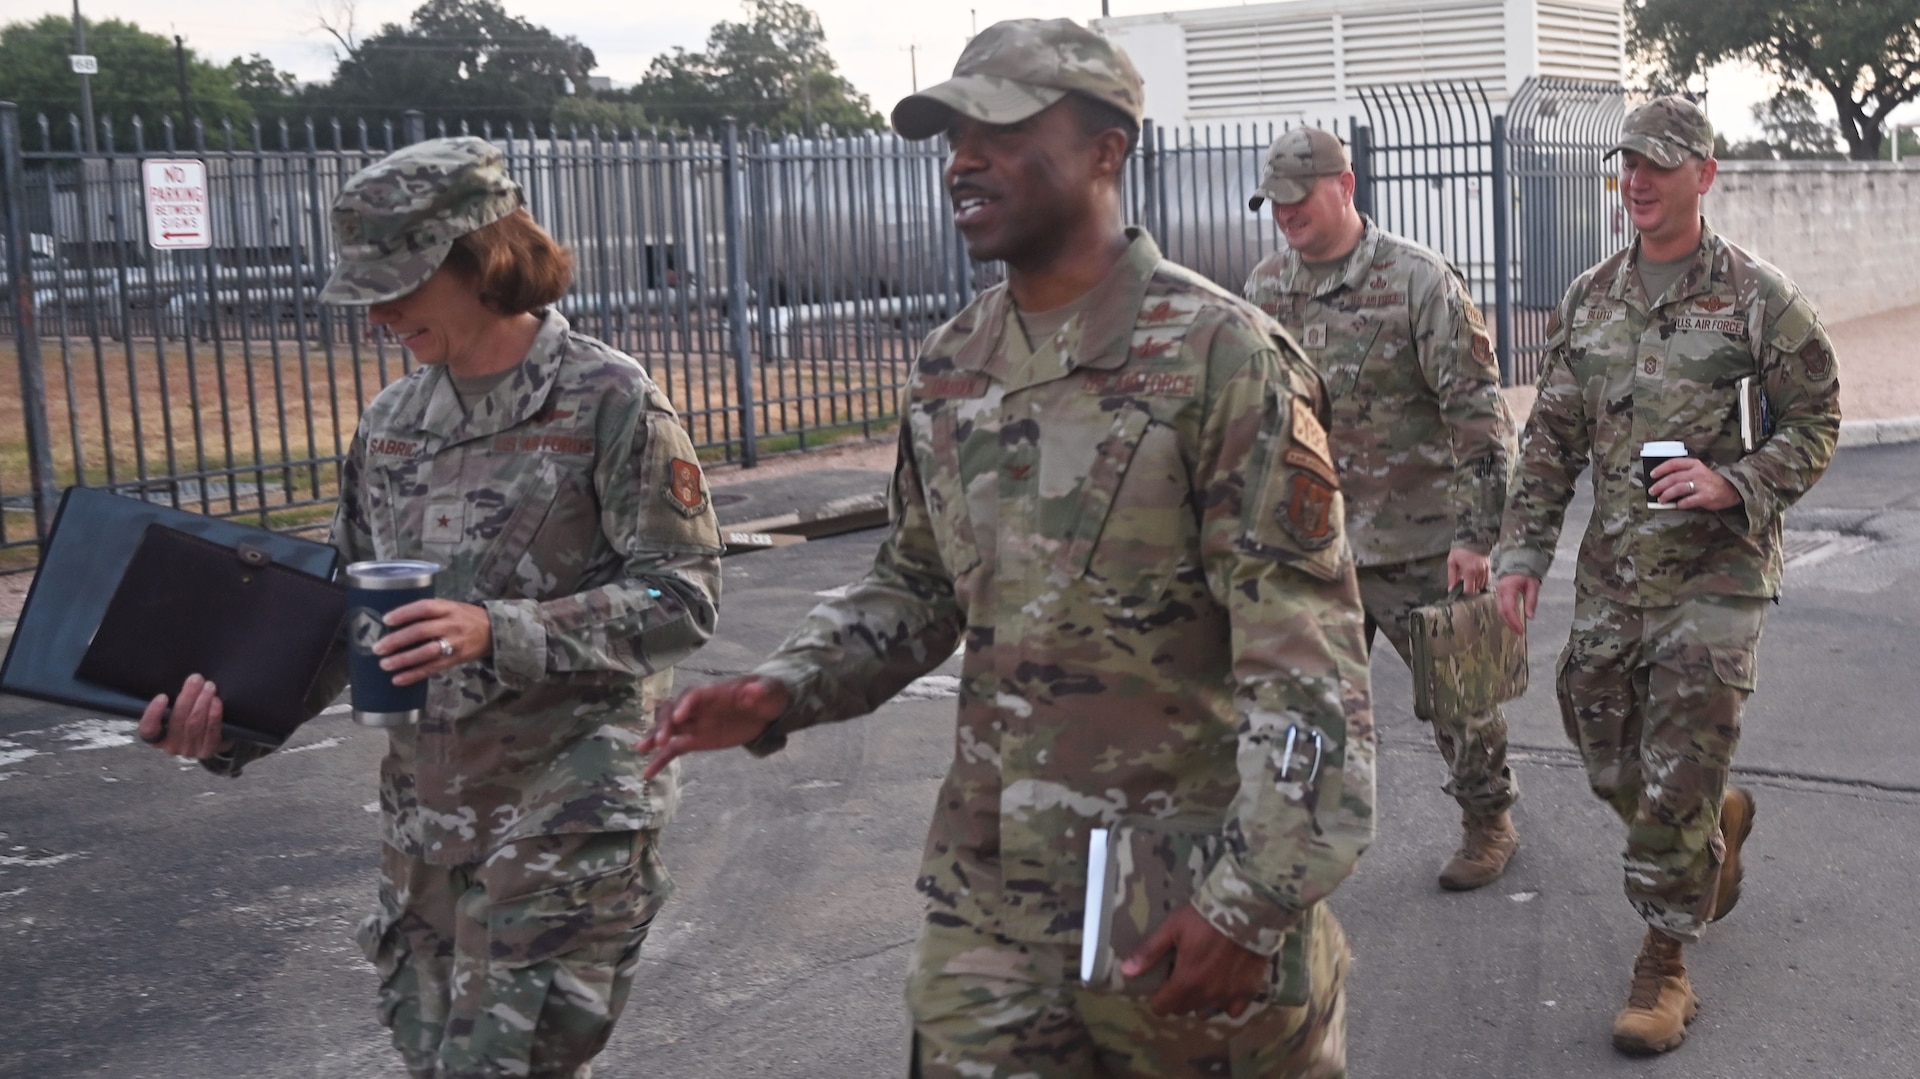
(1353,269)
(1697,280)
(432,407)
(1098,337)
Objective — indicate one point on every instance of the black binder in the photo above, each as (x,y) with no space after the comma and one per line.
(95,537)
(187,605)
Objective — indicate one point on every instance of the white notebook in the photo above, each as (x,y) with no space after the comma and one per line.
(1096,952)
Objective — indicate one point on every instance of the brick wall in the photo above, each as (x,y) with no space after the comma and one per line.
(1846,232)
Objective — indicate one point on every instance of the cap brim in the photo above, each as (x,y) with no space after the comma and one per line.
(986,98)
(1655,149)
(358,282)
(1280,189)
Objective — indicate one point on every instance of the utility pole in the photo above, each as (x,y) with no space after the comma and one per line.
(83,65)
(180,68)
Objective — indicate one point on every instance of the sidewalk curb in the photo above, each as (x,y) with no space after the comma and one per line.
(1879,432)
(1887,432)
(1853,433)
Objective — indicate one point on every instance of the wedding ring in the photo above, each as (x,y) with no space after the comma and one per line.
(1690,489)
(446,648)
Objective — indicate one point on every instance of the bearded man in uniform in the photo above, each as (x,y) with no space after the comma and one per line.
(1420,434)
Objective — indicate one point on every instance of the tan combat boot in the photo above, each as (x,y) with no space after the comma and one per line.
(1661,1002)
(1486,846)
(1736,823)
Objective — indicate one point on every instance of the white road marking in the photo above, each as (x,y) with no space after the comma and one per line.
(14,752)
(933,687)
(31,862)
(324,743)
(97,733)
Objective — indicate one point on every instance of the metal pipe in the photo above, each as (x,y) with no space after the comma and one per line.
(737,301)
(1502,255)
(86,81)
(33,383)
(180,72)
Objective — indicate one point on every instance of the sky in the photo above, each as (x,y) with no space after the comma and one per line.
(879,46)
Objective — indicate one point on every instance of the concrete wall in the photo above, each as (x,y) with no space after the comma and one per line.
(1847,232)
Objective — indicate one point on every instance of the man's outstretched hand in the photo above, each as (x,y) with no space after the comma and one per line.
(719,716)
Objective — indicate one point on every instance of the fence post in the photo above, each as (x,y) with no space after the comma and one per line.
(1149,166)
(414,125)
(1502,253)
(737,296)
(33,382)
(1362,168)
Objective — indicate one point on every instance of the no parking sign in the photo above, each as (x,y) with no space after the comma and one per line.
(176,196)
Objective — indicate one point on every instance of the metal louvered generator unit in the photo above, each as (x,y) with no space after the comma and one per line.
(1313,60)
(1477,127)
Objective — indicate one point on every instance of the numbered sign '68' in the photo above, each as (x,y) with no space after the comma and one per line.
(177,210)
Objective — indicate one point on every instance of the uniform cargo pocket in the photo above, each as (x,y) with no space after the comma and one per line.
(386,948)
(1568,721)
(1734,667)
(602,912)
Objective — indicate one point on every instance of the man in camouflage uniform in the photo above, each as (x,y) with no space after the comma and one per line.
(1420,435)
(565,505)
(1114,486)
(1650,346)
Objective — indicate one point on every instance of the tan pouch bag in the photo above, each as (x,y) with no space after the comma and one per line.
(1465,657)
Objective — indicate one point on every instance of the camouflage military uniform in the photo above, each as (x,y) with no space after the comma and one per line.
(1669,603)
(520,835)
(521,868)
(1135,528)
(1422,440)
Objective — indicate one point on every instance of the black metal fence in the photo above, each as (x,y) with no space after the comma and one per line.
(775,287)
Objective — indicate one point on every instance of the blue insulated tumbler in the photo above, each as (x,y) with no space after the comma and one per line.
(373,589)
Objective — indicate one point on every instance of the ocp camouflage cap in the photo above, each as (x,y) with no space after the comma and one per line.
(1298,157)
(1016,68)
(1666,130)
(396,219)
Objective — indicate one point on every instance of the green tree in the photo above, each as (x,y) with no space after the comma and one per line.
(597,112)
(270,91)
(456,60)
(138,75)
(1792,128)
(1865,55)
(773,70)
(1789,129)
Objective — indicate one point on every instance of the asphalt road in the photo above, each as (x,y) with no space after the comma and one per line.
(159,922)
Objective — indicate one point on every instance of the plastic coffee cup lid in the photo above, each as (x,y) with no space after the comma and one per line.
(1663,449)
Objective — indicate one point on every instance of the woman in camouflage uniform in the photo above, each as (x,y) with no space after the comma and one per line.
(547,475)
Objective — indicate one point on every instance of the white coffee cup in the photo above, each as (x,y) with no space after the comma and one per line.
(1652,455)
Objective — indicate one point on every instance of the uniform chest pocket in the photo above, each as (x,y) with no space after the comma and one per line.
(944,482)
(1131,519)
(1346,354)
(539,533)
